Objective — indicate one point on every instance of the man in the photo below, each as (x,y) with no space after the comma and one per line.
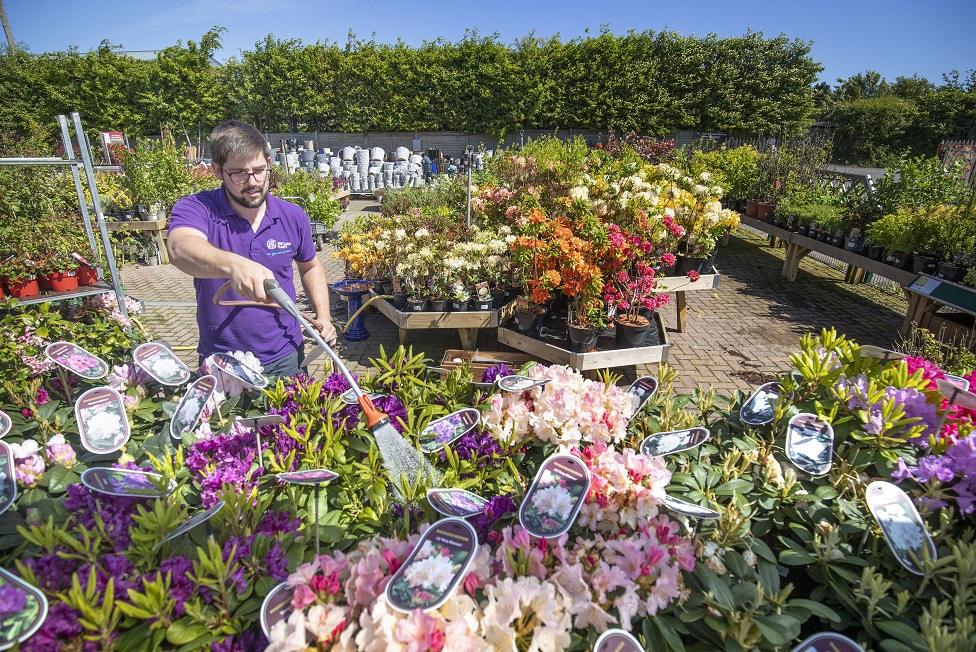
(240,233)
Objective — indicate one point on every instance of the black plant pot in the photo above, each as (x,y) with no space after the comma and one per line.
(700,265)
(876,252)
(416,304)
(439,305)
(900,259)
(459,306)
(804,229)
(581,340)
(511,293)
(529,322)
(838,239)
(400,301)
(792,224)
(498,299)
(951,272)
(386,287)
(481,304)
(630,335)
(924,264)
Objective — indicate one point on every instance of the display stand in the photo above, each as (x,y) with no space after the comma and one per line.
(467,323)
(927,295)
(604,357)
(76,166)
(798,246)
(156,227)
(681,284)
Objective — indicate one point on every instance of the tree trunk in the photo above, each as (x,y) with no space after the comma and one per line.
(11,47)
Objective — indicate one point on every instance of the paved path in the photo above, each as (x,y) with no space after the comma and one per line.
(738,335)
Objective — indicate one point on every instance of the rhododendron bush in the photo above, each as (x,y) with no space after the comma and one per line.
(788,554)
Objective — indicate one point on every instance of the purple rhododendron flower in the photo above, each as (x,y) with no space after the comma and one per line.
(494,372)
(476,444)
(496,509)
(181,587)
(60,626)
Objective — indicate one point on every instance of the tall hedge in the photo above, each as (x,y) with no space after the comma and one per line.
(650,82)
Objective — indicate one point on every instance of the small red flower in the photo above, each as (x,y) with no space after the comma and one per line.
(693,275)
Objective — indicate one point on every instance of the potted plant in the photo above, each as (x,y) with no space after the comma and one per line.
(628,296)
(460,296)
(482,296)
(440,293)
(20,274)
(896,233)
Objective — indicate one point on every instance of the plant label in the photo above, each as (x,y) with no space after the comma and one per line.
(162,365)
(674,441)
(103,424)
(191,406)
(957,395)
(8,478)
(555,497)
(192,522)
(308,476)
(686,508)
(263,421)
(234,368)
(276,607)
(77,360)
(880,354)
(19,625)
(642,390)
(5,424)
(517,384)
(349,397)
(456,502)
(434,568)
(617,640)
(828,642)
(810,443)
(760,409)
(127,483)
(443,431)
(958,381)
(900,523)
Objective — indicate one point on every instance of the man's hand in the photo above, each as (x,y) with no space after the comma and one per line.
(247,278)
(326,330)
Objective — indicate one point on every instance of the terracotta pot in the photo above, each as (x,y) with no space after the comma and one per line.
(62,281)
(24,288)
(763,210)
(87,275)
(752,208)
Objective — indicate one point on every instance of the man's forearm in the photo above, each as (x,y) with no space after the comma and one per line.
(200,259)
(317,290)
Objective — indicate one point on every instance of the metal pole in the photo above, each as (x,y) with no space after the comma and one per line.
(318,547)
(469,185)
(99,216)
(69,151)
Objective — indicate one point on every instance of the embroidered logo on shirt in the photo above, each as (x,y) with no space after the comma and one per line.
(273,244)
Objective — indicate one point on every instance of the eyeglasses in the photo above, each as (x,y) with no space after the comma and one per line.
(241,176)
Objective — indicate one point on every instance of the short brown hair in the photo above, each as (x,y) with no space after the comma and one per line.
(233,138)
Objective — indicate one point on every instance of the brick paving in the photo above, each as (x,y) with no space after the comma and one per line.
(738,335)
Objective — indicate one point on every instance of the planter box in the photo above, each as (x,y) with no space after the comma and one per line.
(605,356)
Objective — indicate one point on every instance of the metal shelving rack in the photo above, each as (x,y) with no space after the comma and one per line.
(84,163)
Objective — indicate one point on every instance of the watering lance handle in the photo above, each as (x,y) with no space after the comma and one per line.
(273,289)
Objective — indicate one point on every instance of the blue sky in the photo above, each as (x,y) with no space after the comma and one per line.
(899,37)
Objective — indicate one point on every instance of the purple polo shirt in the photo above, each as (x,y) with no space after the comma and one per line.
(285,235)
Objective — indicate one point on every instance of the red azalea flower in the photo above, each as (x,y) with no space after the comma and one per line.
(694,276)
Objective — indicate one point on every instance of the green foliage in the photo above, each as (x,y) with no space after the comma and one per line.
(869,129)
(315,195)
(919,181)
(736,169)
(444,198)
(649,82)
(155,173)
(895,231)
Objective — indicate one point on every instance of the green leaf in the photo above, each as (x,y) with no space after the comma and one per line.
(778,629)
(817,609)
(904,633)
(793,558)
(184,630)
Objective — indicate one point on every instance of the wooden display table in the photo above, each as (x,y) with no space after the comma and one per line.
(156,227)
(600,359)
(466,323)
(681,284)
(798,246)
(927,295)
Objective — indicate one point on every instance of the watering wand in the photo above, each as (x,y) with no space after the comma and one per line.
(374,418)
